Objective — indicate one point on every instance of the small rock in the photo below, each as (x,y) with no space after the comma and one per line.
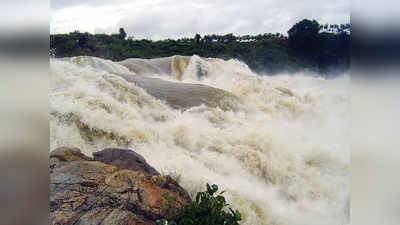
(124,159)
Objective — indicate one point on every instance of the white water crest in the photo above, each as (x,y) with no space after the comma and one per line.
(281,153)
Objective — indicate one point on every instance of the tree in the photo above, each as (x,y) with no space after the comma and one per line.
(229,38)
(122,33)
(303,36)
(197,38)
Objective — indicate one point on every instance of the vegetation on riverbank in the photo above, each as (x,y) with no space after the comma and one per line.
(309,46)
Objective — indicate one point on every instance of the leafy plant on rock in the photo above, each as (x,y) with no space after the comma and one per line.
(209,208)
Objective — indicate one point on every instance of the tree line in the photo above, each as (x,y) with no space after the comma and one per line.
(308,46)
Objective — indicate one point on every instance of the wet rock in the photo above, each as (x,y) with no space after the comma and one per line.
(111,191)
(124,159)
(184,95)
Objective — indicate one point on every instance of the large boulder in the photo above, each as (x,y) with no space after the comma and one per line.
(109,189)
(184,95)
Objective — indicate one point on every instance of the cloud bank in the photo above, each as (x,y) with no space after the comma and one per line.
(160,19)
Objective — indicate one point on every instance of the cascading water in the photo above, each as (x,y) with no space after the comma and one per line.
(281,151)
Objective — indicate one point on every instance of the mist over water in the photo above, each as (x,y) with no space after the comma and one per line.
(279,147)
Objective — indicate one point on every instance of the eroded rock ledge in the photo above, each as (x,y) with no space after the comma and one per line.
(117,186)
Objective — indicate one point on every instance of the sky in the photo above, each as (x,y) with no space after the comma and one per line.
(160,19)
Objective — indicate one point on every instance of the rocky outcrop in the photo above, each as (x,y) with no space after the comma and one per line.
(117,186)
(184,95)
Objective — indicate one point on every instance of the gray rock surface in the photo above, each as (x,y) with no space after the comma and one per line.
(183,95)
(124,159)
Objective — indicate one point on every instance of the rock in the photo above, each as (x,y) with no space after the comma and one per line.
(124,159)
(67,154)
(184,95)
(109,189)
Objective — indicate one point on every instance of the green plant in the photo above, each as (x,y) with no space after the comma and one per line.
(209,208)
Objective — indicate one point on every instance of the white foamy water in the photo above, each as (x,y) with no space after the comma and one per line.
(281,154)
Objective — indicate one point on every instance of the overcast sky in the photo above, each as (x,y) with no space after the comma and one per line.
(157,19)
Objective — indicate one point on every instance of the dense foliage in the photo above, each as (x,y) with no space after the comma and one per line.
(208,208)
(309,45)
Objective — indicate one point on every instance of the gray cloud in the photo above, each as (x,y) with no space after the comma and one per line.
(60,4)
(171,19)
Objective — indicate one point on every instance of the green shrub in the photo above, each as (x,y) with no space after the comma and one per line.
(209,208)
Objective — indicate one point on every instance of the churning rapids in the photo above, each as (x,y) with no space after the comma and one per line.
(278,145)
